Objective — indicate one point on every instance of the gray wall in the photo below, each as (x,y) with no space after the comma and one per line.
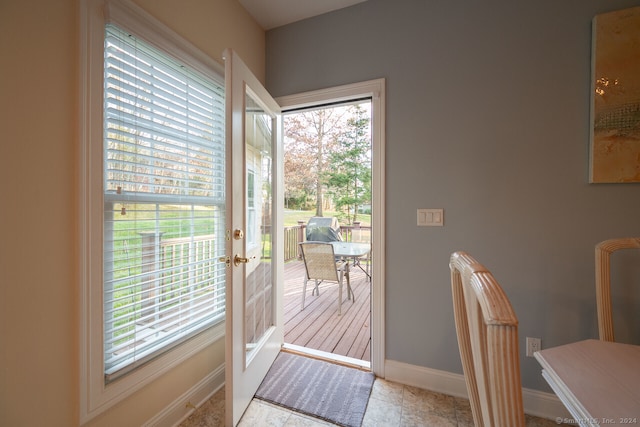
(488,118)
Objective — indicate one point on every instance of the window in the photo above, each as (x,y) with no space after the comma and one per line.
(152,198)
(251,209)
(163,202)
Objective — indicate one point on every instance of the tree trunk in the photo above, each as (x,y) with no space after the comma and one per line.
(319,167)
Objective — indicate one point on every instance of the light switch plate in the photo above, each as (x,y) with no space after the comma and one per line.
(431,217)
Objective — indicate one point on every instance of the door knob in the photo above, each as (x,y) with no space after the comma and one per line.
(237,260)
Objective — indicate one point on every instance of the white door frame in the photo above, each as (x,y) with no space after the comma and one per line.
(376,90)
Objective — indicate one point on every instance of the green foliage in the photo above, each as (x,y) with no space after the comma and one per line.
(327,159)
(348,180)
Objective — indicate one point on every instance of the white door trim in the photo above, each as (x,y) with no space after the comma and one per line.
(376,90)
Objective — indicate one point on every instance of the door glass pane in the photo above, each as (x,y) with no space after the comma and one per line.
(259,289)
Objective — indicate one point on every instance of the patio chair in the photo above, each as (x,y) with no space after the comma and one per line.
(487,330)
(321,265)
(604,250)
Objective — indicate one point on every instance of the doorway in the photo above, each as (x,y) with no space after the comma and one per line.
(248,358)
(334,156)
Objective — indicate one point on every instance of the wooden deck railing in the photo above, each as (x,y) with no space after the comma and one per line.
(296,234)
(173,249)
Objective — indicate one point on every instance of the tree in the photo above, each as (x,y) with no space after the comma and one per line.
(349,178)
(308,136)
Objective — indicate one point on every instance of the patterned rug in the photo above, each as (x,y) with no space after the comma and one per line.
(334,393)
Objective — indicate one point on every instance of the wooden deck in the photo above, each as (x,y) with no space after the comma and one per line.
(318,326)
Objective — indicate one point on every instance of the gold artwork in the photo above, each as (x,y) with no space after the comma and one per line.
(615,109)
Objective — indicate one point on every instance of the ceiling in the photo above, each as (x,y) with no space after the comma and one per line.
(275,13)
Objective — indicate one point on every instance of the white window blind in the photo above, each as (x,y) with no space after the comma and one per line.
(164,182)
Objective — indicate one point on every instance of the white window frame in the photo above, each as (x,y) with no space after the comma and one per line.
(95,395)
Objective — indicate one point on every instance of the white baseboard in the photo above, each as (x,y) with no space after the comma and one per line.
(537,403)
(187,403)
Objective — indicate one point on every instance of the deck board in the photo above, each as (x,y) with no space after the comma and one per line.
(318,326)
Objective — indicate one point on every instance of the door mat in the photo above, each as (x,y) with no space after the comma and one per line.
(334,393)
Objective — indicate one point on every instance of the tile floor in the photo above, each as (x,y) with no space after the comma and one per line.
(390,404)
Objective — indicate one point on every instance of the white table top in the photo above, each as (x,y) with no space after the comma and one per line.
(350,249)
(598,381)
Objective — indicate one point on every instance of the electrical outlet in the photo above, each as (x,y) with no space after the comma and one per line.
(533,345)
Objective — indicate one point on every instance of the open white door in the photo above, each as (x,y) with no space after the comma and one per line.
(255,256)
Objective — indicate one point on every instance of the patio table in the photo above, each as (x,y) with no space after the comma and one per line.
(352,250)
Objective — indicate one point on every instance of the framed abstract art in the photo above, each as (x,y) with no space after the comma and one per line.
(615,106)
